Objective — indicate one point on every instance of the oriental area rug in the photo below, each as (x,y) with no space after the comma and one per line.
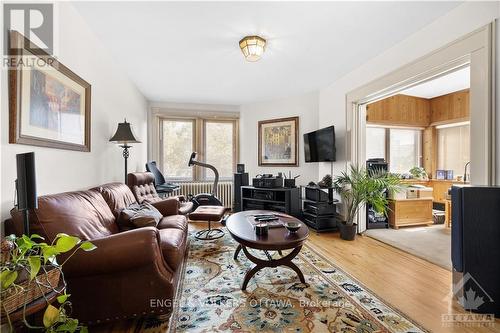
(210,298)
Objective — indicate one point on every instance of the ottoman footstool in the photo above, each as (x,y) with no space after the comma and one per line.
(210,214)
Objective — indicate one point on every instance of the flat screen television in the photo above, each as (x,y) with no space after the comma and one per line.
(319,146)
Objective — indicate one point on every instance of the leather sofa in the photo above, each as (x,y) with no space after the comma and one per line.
(142,185)
(132,273)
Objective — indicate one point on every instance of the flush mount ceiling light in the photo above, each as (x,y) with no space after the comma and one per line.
(252,47)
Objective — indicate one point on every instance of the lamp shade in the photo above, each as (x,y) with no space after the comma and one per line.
(124,134)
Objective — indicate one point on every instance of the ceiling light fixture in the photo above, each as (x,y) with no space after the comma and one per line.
(252,47)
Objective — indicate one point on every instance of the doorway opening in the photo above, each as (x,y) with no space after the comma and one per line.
(421,122)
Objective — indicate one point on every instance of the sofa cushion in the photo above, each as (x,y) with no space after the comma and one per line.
(117,195)
(173,246)
(84,214)
(173,221)
(207,213)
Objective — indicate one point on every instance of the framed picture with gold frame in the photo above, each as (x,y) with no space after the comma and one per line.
(279,142)
(49,105)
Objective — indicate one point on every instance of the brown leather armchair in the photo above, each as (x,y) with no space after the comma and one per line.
(143,186)
(132,273)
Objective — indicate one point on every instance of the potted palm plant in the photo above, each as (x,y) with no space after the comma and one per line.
(358,187)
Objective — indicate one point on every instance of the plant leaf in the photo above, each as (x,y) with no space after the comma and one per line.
(49,254)
(36,236)
(50,316)
(84,329)
(65,243)
(87,246)
(8,277)
(63,298)
(69,326)
(35,264)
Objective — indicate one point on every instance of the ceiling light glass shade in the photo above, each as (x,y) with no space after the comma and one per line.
(252,47)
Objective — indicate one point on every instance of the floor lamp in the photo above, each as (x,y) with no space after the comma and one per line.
(123,136)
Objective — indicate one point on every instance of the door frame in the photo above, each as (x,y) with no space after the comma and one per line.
(475,50)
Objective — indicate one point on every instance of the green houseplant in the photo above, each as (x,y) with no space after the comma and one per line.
(419,173)
(27,262)
(358,187)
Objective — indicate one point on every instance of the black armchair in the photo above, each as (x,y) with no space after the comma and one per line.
(161,186)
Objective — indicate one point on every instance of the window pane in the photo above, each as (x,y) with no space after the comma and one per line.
(375,142)
(219,148)
(177,148)
(453,148)
(405,150)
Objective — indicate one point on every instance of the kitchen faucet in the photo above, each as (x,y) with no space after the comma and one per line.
(465,171)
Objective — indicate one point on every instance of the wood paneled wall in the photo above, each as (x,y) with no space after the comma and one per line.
(452,107)
(400,110)
(429,150)
(403,110)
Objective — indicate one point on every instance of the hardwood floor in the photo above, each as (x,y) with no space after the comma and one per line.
(409,284)
(412,285)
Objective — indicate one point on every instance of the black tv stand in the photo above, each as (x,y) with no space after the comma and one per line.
(280,199)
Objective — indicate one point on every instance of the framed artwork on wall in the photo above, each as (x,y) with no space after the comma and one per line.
(49,105)
(278,142)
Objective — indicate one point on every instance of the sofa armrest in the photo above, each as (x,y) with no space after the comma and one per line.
(119,252)
(168,206)
(180,197)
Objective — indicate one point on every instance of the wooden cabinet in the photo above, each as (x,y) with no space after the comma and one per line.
(450,108)
(399,110)
(407,212)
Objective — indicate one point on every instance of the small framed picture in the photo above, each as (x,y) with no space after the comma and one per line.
(449,174)
(441,174)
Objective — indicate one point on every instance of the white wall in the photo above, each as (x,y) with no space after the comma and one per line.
(304,106)
(113,98)
(497,91)
(457,23)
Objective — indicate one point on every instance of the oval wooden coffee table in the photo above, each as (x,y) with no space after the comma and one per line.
(240,227)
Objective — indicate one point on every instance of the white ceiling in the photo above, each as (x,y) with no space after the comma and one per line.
(188,51)
(443,85)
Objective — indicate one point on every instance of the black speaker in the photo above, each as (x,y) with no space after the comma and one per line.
(239,180)
(26,186)
(475,249)
(26,181)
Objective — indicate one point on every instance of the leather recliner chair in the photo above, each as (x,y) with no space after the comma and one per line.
(132,273)
(143,186)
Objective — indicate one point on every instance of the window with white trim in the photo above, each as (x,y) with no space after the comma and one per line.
(215,141)
(400,147)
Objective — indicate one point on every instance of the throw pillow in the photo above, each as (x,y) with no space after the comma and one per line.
(138,216)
